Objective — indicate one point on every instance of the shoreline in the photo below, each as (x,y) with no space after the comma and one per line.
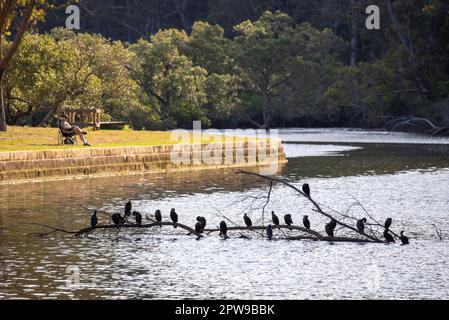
(19,167)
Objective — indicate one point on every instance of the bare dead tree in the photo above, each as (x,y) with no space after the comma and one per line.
(341,218)
(317,207)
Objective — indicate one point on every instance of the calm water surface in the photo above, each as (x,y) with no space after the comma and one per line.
(404,176)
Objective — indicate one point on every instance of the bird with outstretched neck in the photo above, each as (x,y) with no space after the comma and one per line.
(404,239)
(94,220)
(274,218)
(306,222)
(174,217)
(128,209)
(388,223)
(388,236)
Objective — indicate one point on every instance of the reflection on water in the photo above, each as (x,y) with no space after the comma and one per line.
(405,181)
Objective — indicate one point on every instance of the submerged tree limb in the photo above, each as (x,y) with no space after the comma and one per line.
(315,204)
(141,226)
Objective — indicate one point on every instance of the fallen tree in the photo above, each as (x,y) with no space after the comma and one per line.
(417,124)
(369,235)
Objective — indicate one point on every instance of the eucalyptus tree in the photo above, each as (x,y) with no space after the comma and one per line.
(80,70)
(271,53)
(28,12)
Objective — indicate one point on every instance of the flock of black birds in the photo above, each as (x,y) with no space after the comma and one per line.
(201,223)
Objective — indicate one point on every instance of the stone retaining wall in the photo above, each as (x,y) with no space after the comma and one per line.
(23,166)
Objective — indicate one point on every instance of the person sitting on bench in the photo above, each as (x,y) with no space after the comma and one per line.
(67,128)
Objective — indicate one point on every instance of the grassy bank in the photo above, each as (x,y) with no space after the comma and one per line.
(21,139)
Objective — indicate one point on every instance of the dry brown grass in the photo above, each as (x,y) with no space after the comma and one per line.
(24,138)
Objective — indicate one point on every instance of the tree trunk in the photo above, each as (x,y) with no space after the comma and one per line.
(266,108)
(47,117)
(407,45)
(2,103)
(354,41)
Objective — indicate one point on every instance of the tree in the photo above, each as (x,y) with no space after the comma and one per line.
(271,53)
(174,86)
(26,12)
(79,70)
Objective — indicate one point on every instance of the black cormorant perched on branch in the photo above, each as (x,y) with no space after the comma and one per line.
(117,219)
(361,225)
(288,220)
(94,220)
(388,236)
(388,223)
(329,230)
(333,224)
(306,222)
(128,208)
(330,227)
(158,216)
(224,229)
(248,221)
(174,217)
(274,218)
(198,228)
(306,189)
(269,232)
(138,217)
(404,239)
(203,222)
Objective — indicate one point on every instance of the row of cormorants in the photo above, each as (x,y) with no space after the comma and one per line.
(200,225)
(330,227)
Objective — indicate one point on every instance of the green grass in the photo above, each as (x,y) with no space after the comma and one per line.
(24,138)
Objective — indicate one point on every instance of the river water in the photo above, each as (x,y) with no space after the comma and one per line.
(400,175)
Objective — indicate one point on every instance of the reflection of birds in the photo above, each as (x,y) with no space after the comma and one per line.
(388,223)
(174,217)
(117,219)
(94,220)
(138,217)
(269,232)
(274,218)
(203,222)
(248,221)
(288,220)
(306,189)
(361,225)
(404,239)
(306,222)
(128,208)
(388,236)
(224,229)
(158,216)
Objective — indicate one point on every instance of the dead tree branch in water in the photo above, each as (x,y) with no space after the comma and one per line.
(438,231)
(315,204)
(416,123)
(263,201)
